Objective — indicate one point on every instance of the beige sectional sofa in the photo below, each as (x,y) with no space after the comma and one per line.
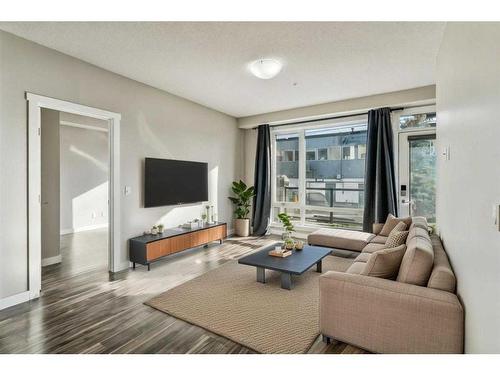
(417,312)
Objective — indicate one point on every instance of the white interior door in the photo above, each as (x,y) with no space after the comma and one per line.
(417,174)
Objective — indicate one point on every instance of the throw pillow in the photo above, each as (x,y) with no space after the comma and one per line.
(385,263)
(391,222)
(396,238)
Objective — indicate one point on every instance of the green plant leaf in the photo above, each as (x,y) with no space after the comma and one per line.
(242,200)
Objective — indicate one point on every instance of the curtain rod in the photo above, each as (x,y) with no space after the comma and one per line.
(339,117)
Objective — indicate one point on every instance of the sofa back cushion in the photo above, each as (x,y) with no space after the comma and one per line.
(384,263)
(417,262)
(418,232)
(391,222)
(442,275)
(419,221)
(356,268)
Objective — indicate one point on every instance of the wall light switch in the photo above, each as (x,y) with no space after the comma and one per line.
(128,190)
(496,216)
(446,153)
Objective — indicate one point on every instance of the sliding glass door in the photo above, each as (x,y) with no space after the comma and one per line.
(319,174)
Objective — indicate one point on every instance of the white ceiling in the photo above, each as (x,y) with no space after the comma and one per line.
(206,62)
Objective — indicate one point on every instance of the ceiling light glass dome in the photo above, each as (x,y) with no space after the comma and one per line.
(265,68)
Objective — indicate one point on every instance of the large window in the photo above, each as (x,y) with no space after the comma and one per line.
(323,185)
(287,167)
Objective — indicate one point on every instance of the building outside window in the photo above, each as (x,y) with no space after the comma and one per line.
(311,155)
(323,154)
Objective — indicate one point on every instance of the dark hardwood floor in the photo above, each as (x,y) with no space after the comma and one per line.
(84,309)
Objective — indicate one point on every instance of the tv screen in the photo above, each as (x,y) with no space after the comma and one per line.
(169,182)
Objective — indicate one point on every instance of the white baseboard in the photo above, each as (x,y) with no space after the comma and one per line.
(14,300)
(83,229)
(51,260)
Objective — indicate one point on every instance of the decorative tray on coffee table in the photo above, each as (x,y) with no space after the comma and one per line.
(282,253)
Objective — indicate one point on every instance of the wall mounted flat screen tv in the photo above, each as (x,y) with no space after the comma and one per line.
(171,182)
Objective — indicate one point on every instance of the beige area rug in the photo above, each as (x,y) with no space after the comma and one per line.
(231,303)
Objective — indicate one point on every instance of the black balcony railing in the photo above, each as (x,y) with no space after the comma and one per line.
(350,207)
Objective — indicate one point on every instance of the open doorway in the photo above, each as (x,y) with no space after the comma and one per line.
(74,193)
(116,257)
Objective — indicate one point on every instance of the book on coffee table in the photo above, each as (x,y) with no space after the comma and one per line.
(280,253)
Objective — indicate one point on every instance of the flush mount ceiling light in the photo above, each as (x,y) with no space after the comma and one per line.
(265,68)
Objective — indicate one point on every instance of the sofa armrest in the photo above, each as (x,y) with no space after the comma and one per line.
(377,228)
(386,316)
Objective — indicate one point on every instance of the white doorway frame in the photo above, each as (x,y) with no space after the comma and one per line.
(35,104)
(401,149)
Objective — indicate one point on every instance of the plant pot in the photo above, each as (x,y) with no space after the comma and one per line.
(242,227)
(299,245)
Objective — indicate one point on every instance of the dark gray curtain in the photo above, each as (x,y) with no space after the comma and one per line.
(262,182)
(380,183)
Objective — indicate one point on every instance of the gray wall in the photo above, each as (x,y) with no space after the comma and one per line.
(84,177)
(50,183)
(154,123)
(468,185)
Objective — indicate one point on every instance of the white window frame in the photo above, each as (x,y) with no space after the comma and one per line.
(300,131)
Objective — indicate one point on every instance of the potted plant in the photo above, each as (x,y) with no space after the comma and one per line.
(242,203)
(287,225)
(161,227)
(289,242)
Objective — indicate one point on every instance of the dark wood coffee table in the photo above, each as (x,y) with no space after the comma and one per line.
(295,264)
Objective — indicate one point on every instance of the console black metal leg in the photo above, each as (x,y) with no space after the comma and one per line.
(149,266)
(205,246)
(221,241)
(326,339)
(319,266)
(133,265)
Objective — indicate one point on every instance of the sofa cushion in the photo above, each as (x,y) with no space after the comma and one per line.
(372,247)
(417,262)
(356,268)
(396,238)
(377,227)
(340,238)
(420,222)
(391,222)
(384,263)
(363,257)
(442,275)
(418,232)
(379,239)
